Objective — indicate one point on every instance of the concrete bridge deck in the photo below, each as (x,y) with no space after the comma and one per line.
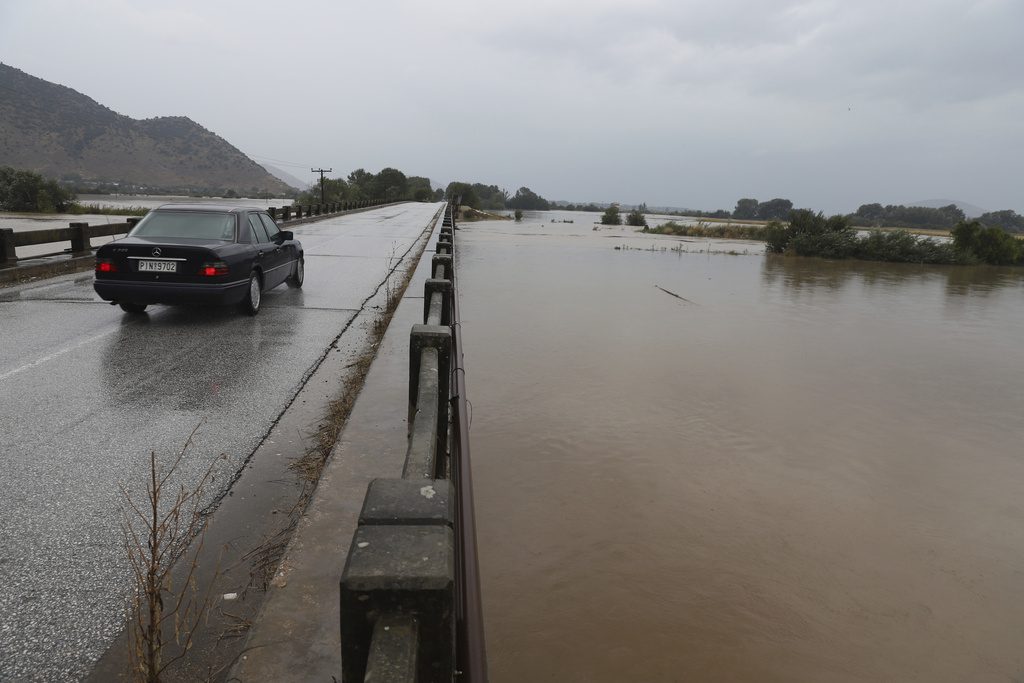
(89,392)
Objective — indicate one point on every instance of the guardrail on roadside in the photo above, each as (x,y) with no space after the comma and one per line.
(80,234)
(410,593)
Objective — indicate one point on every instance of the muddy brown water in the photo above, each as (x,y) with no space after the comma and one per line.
(806,471)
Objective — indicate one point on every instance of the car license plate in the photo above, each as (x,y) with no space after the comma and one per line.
(158,266)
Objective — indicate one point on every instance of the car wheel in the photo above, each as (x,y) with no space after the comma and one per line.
(250,304)
(129,307)
(300,274)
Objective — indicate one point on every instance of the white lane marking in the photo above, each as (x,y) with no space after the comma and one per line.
(55,354)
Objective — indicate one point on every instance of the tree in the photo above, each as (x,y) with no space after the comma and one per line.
(636,217)
(28,191)
(873,213)
(464,190)
(361,183)
(746,209)
(989,245)
(390,185)
(611,216)
(774,209)
(1008,220)
(527,199)
(334,190)
(490,196)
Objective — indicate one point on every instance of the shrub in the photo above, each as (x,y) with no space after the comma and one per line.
(28,191)
(988,245)
(611,216)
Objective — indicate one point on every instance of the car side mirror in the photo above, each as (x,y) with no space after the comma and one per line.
(285,235)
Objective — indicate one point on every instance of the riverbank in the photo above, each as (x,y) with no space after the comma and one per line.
(470,215)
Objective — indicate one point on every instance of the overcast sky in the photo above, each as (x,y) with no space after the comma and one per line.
(691,103)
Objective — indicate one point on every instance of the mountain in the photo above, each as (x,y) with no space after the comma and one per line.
(970,210)
(61,133)
(286,177)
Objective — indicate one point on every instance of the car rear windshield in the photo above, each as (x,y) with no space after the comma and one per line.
(194,224)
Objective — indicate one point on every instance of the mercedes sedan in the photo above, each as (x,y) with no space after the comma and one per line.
(198,253)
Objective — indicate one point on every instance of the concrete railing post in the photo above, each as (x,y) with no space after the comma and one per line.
(272,210)
(434,289)
(399,570)
(433,344)
(443,261)
(7,255)
(80,242)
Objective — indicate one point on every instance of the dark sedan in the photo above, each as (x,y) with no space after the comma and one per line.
(198,253)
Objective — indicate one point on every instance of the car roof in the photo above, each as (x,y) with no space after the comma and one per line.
(209,208)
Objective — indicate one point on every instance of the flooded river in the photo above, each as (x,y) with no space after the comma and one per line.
(693,465)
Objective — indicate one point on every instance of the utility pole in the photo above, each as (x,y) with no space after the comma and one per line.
(321,171)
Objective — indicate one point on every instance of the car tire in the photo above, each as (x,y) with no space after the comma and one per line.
(295,281)
(129,307)
(250,304)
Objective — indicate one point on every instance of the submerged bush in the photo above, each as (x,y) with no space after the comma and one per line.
(706,229)
(988,245)
(611,216)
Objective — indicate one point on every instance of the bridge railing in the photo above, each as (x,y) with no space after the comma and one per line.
(410,594)
(80,234)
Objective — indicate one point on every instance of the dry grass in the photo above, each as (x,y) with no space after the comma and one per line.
(159,532)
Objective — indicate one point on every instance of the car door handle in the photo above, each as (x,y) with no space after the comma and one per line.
(259,254)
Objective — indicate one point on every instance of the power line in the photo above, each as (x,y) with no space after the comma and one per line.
(321,171)
(278,161)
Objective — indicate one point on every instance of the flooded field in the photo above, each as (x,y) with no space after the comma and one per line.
(699,465)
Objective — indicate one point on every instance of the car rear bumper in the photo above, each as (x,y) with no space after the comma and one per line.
(171,292)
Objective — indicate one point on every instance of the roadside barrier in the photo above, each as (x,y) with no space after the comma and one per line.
(410,593)
(80,234)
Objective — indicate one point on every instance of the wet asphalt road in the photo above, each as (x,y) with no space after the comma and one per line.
(88,391)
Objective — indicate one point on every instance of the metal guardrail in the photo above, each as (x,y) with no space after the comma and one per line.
(80,234)
(410,593)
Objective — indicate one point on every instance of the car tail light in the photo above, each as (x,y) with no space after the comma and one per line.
(104,265)
(214,268)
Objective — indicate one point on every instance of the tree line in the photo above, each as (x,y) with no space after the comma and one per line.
(491,198)
(867,215)
(389,184)
(812,234)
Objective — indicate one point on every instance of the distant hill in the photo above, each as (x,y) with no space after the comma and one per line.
(970,210)
(61,133)
(286,177)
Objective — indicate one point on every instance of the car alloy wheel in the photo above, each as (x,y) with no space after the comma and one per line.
(251,303)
